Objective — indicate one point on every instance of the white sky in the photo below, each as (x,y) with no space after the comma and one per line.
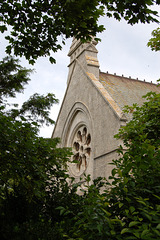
(122,50)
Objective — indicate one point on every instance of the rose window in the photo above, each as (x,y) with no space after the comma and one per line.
(81,150)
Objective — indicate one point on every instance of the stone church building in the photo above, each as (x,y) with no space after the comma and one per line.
(91,112)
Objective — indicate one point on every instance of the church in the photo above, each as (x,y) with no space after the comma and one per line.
(92,111)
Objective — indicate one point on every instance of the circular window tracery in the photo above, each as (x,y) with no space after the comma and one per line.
(81,151)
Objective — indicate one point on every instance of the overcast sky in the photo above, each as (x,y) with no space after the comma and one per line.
(122,50)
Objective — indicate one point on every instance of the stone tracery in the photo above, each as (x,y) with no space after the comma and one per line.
(81,150)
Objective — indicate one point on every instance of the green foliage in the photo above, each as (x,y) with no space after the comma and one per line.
(36,108)
(141,138)
(154,42)
(13,77)
(32,169)
(35,25)
(131,11)
(134,196)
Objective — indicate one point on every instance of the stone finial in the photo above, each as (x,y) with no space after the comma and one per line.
(86,55)
(77,47)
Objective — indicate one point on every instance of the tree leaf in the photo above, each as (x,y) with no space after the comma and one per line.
(133,223)
(125,230)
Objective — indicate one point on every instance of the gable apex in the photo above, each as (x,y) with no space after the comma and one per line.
(77,47)
(86,55)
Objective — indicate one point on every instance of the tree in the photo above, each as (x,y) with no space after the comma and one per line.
(35,26)
(154,42)
(32,169)
(127,207)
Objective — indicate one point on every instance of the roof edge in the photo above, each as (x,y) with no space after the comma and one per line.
(107,97)
(129,78)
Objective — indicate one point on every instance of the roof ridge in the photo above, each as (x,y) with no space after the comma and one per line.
(129,78)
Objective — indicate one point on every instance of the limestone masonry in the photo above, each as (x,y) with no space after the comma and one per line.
(92,111)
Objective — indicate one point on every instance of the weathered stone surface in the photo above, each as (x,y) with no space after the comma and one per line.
(93,101)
